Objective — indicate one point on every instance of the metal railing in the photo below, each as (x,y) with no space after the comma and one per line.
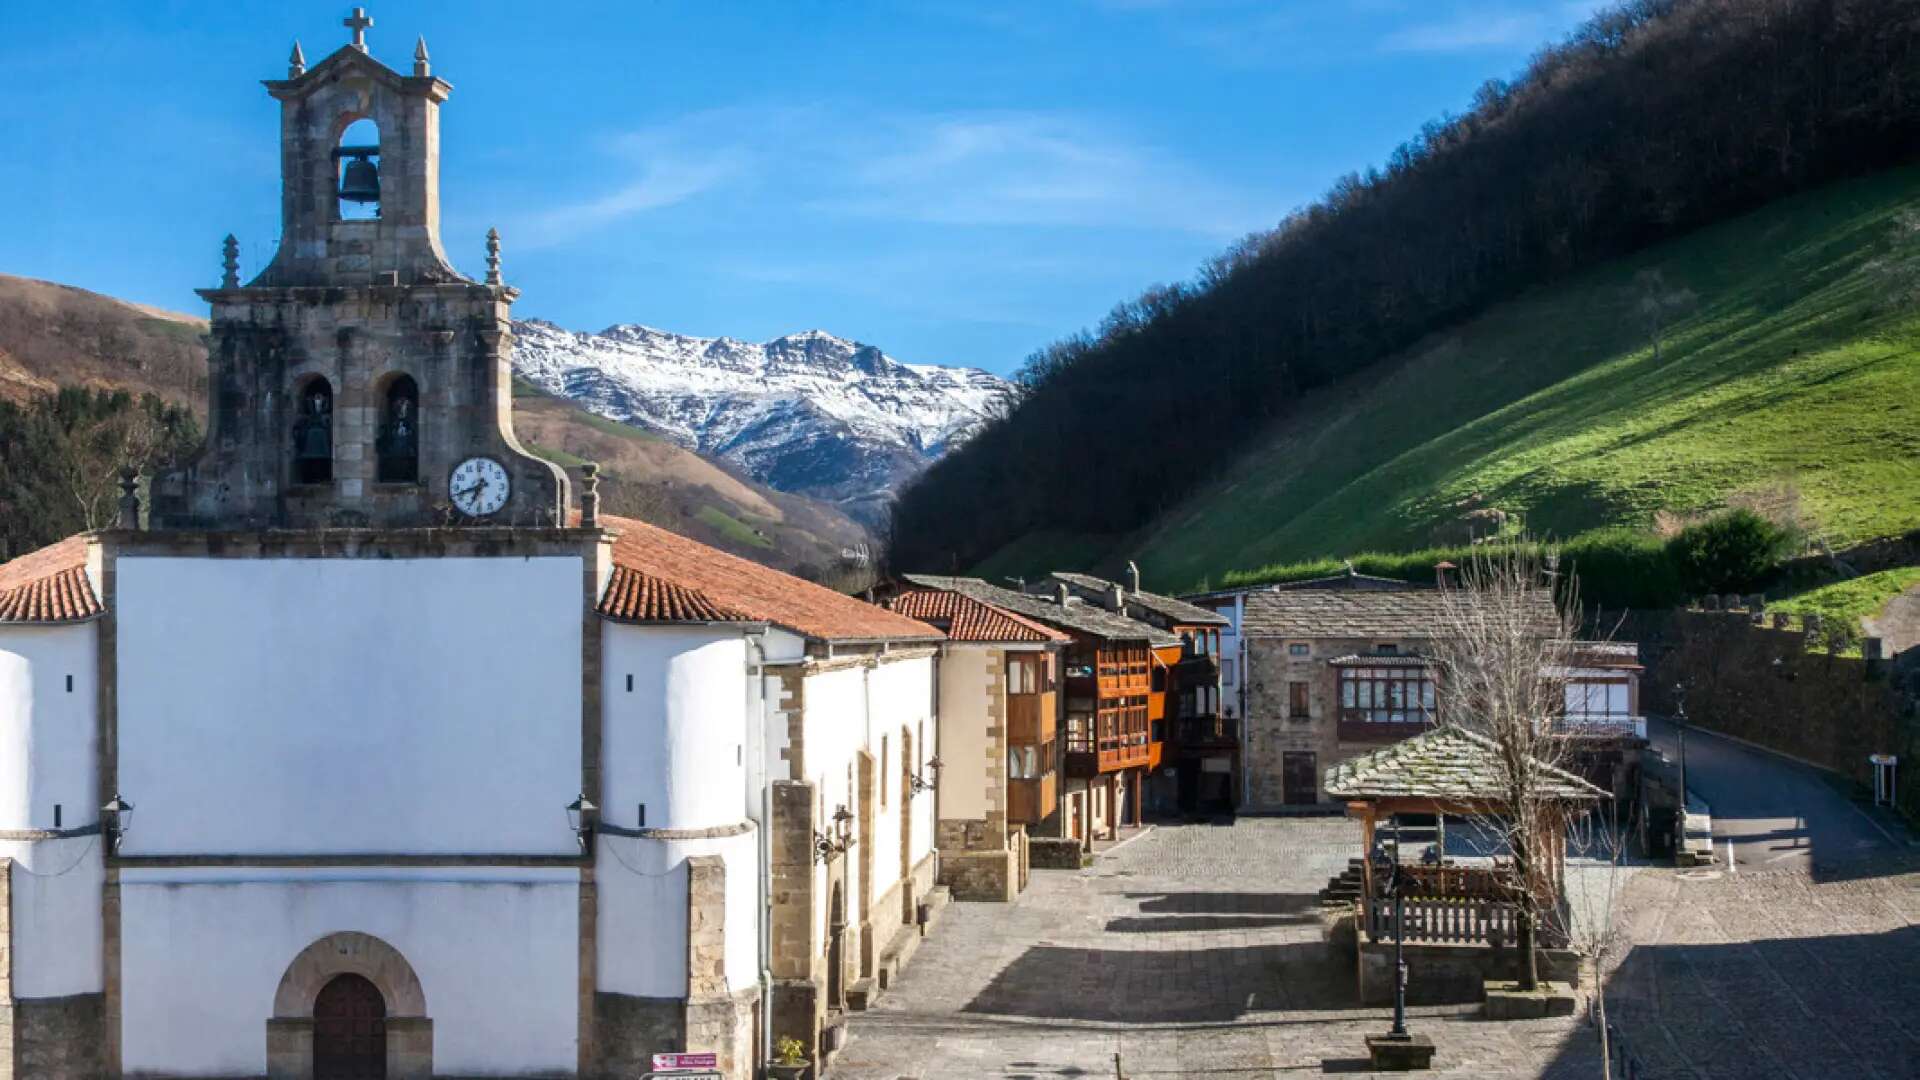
(1604,724)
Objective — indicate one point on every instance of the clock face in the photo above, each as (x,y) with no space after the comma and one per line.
(478,486)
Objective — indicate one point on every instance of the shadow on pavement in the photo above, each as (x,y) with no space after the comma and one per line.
(1842,1005)
(1144,986)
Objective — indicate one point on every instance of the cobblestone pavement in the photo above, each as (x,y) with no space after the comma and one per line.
(1194,951)
(1772,973)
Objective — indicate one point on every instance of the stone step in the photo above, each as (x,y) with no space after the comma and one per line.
(860,995)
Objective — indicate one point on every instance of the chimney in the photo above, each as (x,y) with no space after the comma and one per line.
(1441,570)
(1133,576)
(1116,598)
(1060,594)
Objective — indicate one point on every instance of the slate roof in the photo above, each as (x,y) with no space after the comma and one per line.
(1175,611)
(1086,618)
(1351,580)
(967,619)
(1353,613)
(1445,763)
(49,586)
(672,573)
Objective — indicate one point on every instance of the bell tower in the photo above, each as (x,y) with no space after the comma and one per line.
(359,380)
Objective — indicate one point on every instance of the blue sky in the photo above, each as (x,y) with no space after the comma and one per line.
(957,182)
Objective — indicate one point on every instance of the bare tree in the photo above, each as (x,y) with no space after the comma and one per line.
(1590,921)
(1504,651)
(89,470)
(1658,305)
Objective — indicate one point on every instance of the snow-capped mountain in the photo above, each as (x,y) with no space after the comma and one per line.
(808,413)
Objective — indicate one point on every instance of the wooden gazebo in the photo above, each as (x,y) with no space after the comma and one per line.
(1445,771)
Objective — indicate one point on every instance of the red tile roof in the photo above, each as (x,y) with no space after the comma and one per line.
(707,579)
(49,585)
(968,619)
(636,596)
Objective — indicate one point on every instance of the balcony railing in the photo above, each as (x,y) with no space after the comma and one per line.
(1208,731)
(1601,725)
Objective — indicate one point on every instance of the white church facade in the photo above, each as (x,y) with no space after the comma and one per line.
(372,751)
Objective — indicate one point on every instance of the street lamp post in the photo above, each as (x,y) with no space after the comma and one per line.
(1680,733)
(1398,1050)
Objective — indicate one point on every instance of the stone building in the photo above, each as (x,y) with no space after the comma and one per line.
(370,756)
(999,722)
(1338,666)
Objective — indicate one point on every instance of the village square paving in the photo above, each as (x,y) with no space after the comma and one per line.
(1198,950)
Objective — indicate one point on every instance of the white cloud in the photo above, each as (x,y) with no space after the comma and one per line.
(965,168)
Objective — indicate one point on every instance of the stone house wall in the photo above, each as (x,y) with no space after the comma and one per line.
(1271,732)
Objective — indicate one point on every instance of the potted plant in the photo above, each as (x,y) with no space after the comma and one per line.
(789,1060)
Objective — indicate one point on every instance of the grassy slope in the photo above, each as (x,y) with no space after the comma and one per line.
(1787,370)
(1850,601)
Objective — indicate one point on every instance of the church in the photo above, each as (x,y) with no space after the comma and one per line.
(369,747)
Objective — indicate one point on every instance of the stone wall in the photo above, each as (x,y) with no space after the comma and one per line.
(59,1038)
(629,1030)
(980,875)
(1762,684)
(1272,731)
(1054,853)
(1451,974)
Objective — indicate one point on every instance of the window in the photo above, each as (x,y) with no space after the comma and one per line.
(1159,678)
(883,770)
(1387,648)
(1299,648)
(1386,695)
(1023,675)
(1598,698)
(313,433)
(398,441)
(1226,673)
(1298,699)
(1203,643)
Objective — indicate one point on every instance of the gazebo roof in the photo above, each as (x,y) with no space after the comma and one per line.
(1447,764)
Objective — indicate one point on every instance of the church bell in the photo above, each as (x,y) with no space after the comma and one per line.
(361,181)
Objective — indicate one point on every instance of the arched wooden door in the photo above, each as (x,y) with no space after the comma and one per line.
(349,1031)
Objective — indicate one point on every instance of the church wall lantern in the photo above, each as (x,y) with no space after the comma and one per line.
(580,818)
(828,846)
(116,820)
(919,782)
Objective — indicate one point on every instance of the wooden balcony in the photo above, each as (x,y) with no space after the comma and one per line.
(1030,801)
(1207,732)
(1085,763)
(1031,718)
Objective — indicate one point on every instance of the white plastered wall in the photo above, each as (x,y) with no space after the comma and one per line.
(48,755)
(677,742)
(349,705)
(847,711)
(496,952)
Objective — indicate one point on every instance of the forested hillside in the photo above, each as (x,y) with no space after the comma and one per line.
(1655,119)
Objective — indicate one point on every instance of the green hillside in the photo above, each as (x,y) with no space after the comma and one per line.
(1787,370)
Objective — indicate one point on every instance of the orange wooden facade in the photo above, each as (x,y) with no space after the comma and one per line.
(1111,703)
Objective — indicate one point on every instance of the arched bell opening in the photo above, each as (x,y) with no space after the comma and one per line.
(357,171)
(398,440)
(313,432)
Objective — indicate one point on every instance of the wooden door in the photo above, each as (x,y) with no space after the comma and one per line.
(1300,774)
(349,1031)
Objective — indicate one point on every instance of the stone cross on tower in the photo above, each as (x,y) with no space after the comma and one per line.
(358,22)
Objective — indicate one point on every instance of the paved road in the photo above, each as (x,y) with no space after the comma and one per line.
(1194,951)
(1776,811)
(1803,962)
